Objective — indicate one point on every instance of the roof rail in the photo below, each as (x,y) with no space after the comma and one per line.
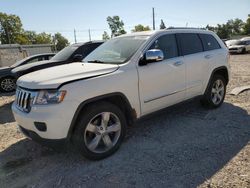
(185,28)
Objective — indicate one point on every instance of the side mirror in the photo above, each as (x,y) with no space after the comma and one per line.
(151,56)
(77,57)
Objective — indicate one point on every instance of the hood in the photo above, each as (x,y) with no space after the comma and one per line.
(26,67)
(4,68)
(53,77)
(236,46)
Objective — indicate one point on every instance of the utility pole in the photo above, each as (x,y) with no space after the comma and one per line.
(153,18)
(75,35)
(54,41)
(89,35)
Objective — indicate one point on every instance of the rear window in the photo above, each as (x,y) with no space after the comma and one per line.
(190,43)
(209,42)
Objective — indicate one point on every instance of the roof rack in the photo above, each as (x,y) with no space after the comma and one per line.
(185,28)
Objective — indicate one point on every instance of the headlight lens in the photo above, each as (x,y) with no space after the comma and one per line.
(49,97)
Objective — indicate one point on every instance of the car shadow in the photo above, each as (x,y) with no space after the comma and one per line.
(181,146)
(6,115)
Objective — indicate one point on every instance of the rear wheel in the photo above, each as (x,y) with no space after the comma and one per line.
(7,84)
(215,93)
(100,131)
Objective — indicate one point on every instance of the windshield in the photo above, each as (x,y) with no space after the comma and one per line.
(64,54)
(117,50)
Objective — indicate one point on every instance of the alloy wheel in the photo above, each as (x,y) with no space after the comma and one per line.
(8,84)
(218,91)
(102,132)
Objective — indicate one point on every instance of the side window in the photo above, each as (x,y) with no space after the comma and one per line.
(167,44)
(209,42)
(190,43)
(33,60)
(48,57)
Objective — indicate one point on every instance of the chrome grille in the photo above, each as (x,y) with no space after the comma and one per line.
(24,99)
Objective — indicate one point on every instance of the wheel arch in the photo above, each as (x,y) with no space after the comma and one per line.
(220,71)
(117,98)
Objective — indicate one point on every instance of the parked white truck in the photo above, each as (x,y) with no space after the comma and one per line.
(90,103)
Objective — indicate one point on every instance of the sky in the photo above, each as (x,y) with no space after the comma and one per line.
(64,15)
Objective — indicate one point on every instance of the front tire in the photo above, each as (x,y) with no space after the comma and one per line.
(99,131)
(7,84)
(215,93)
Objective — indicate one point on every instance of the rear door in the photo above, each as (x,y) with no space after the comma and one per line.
(195,60)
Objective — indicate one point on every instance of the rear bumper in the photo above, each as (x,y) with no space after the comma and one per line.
(54,143)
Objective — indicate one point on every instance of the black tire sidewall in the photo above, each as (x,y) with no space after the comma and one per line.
(243,51)
(86,116)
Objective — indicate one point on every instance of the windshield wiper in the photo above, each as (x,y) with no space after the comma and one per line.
(95,61)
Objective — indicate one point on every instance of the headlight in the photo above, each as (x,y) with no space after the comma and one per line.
(49,97)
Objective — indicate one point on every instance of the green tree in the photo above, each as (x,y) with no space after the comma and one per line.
(246,28)
(60,41)
(31,36)
(162,25)
(235,26)
(116,26)
(140,27)
(105,36)
(223,31)
(22,38)
(211,28)
(10,28)
(43,38)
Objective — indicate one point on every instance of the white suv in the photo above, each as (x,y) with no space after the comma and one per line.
(89,104)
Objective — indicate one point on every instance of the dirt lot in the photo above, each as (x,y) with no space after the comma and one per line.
(182,146)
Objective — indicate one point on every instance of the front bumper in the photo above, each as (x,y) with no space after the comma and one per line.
(54,143)
(239,50)
(57,118)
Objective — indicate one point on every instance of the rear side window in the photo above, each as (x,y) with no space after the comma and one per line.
(209,42)
(190,43)
(167,44)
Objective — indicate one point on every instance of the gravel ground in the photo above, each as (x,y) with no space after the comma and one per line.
(176,147)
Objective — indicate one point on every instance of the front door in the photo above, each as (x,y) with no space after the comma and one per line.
(162,84)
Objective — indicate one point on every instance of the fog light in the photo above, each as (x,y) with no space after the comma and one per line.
(41,126)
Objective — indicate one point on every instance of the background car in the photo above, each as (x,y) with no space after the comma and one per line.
(229,42)
(239,46)
(73,53)
(7,79)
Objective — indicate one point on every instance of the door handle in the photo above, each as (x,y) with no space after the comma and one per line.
(178,63)
(208,56)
